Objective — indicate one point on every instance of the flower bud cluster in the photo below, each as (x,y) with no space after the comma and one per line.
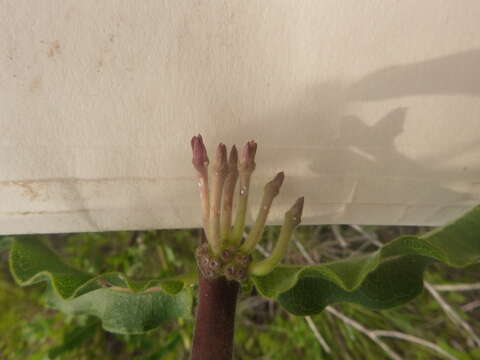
(226,251)
(231,263)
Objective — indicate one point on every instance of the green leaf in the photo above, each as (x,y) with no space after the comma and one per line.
(124,306)
(389,277)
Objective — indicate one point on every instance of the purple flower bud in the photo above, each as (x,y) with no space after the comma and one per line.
(233,160)
(200,159)
(247,158)
(220,164)
(274,185)
(296,211)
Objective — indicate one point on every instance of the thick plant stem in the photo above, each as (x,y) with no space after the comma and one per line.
(215,319)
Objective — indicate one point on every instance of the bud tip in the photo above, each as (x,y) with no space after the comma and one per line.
(221,158)
(278,179)
(233,158)
(200,157)
(297,209)
(247,160)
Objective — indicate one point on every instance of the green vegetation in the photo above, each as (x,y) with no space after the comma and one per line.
(264,330)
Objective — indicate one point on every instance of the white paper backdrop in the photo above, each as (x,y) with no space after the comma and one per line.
(371,108)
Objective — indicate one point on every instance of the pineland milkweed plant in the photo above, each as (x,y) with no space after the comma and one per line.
(227,264)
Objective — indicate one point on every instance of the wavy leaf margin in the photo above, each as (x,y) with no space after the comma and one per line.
(391,276)
(124,306)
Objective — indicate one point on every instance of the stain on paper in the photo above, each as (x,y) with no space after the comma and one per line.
(54,48)
(29,190)
(36,84)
